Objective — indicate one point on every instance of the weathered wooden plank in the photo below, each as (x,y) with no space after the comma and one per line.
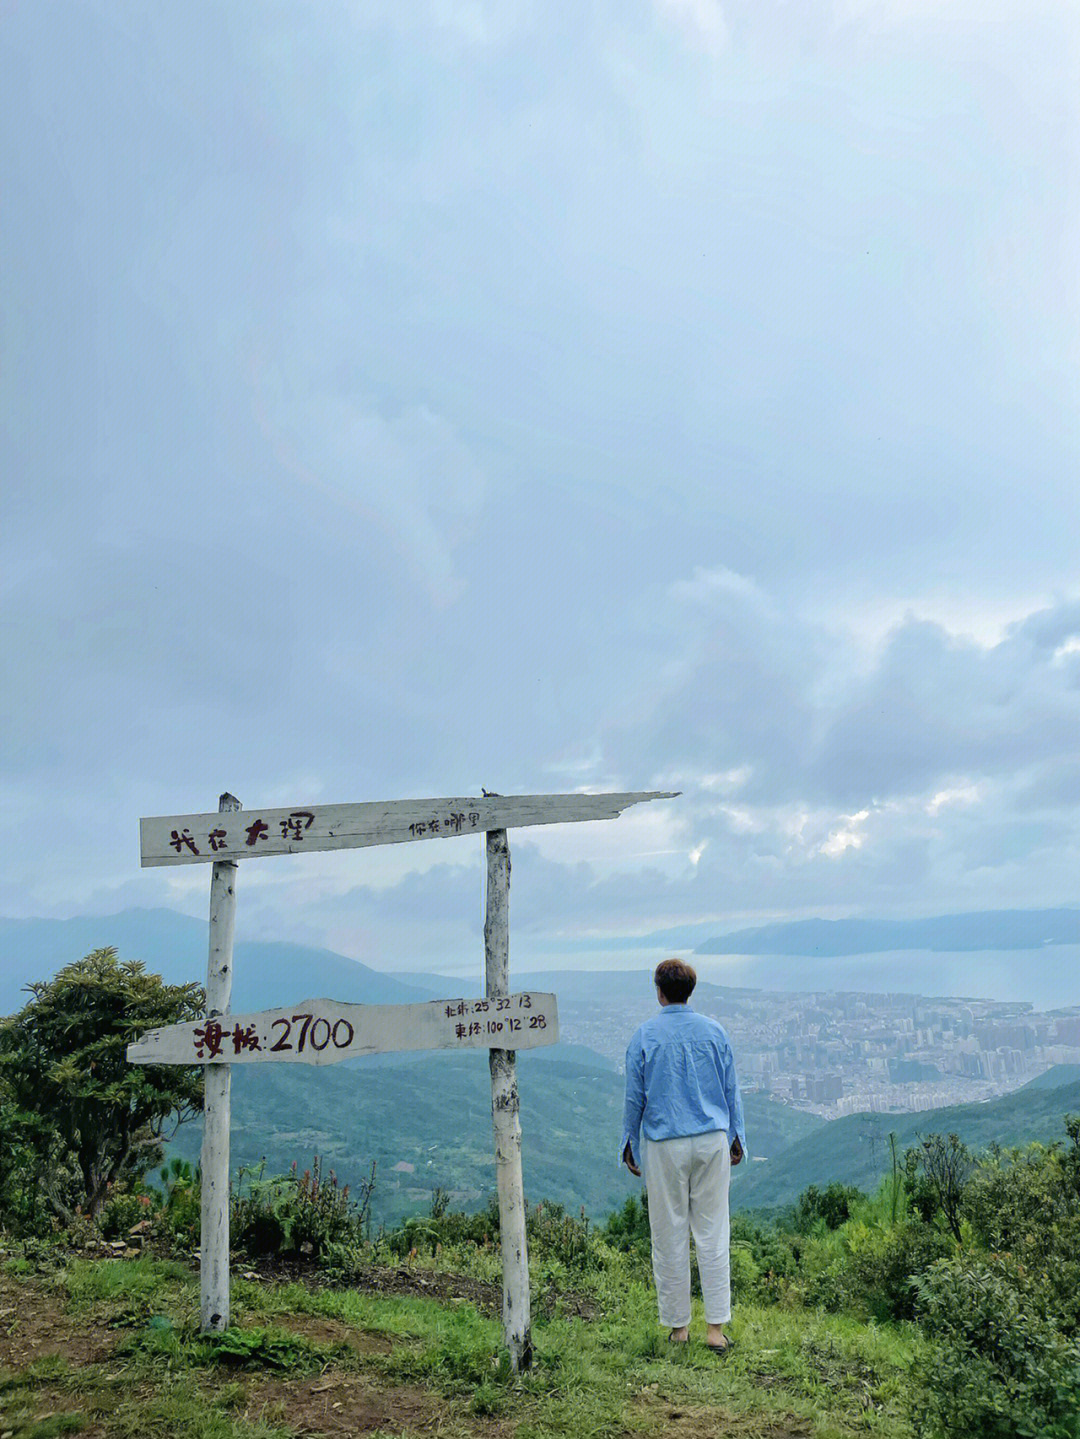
(204,838)
(505,1114)
(214,1300)
(324,1031)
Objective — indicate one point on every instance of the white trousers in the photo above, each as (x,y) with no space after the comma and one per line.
(687,1182)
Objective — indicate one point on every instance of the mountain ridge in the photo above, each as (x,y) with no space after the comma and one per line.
(976,930)
(856,1149)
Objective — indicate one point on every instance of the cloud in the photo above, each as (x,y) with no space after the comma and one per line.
(959,794)
(403,483)
(800,713)
(848,836)
(406,398)
(702,20)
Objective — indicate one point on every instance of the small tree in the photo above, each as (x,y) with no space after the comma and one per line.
(935,1173)
(834,1205)
(63,1066)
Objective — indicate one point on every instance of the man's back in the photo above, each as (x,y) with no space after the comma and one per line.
(680,1076)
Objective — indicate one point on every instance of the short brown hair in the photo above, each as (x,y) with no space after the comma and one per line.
(675,980)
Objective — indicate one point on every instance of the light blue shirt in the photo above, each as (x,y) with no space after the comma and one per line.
(680,1080)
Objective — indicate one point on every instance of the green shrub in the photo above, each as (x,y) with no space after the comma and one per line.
(936,1175)
(123,1210)
(443,1228)
(565,1238)
(627,1230)
(295,1214)
(997,1366)
(745,1275)
(774,1254)
(884,1270)
(561,1241)
(1026,1203)
(834,1205)
(180,1215)
(870,1269)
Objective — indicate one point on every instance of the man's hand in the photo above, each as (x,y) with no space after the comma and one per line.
(736,1150)
(628,1160)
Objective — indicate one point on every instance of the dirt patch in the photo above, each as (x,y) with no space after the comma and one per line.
(685,1421)
(430,1284)
(337,1403)
(708,1424)
(325,1332)
(33,1324)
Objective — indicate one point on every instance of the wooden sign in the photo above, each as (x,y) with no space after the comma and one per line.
(248,834)
(322,1031)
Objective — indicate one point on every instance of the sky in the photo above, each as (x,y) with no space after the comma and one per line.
(399,400)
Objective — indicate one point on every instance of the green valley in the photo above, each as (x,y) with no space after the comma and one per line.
(427,1125)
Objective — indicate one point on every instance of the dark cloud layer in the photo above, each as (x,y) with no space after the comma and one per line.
(404,399)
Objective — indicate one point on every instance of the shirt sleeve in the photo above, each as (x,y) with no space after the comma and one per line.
(733,1096)
(634,1104)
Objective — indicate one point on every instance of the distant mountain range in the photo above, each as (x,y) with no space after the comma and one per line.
(1002,929)
(265,973)
(425,1119)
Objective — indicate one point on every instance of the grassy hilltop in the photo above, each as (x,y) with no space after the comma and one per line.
(109,1349)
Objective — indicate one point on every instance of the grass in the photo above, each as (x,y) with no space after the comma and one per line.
(128,1361)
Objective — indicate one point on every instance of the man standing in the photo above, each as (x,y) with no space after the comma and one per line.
(681,1090)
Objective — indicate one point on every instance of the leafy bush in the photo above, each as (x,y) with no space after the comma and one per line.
(998,1367)
(869,1266)
(627,1230)
(262,1349)
(831,1206)
(936,1174)
(745,1275)
(772,1255)
(1026,1203)
(885,1265)
(295,1214)
(555,1238)
(555,1235)
(443,1228)
(123,1210)
(24,1137)
(180,1214)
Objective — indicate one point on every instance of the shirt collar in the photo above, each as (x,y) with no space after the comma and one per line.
(665,1007)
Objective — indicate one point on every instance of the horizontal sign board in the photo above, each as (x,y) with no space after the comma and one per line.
(247,834)
(322,1031)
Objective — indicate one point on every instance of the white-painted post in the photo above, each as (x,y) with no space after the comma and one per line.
(505,1113)
(214,1239)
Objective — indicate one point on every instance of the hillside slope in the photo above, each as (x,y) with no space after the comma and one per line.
(427,1124)
(855,1149)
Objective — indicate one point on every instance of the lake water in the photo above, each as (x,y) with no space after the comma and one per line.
(1048,978)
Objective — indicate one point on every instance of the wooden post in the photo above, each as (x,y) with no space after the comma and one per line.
(214,1238)
(505,1114)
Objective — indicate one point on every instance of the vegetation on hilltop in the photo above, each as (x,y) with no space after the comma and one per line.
(75,1117)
